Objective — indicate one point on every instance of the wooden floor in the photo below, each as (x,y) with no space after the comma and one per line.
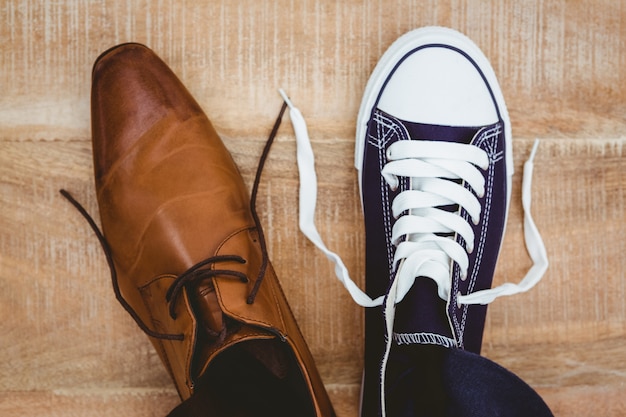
(67,347)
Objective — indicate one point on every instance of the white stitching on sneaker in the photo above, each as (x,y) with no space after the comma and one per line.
(380,142)
(483,140)
(534,246)
(424,339)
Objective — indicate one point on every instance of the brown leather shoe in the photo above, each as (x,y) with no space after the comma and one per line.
(187,256)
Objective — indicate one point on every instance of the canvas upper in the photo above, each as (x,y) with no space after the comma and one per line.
(434,155)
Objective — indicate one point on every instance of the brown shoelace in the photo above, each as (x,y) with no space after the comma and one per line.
(199,271)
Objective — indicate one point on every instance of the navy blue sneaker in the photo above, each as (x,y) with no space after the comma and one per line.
(434,156)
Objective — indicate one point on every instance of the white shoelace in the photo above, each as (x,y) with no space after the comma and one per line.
(420,252)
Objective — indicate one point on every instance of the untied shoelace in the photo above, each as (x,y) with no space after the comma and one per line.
(426,254)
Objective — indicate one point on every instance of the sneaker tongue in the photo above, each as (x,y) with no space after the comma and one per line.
(422,316)
(458,134)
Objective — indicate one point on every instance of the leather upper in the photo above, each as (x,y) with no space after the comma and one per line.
(170,195)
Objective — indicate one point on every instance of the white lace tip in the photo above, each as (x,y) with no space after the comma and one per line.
(534,150)
(286,98)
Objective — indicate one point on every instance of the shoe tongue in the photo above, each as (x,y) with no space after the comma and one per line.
(206,307)
(458,134)
(210,315)
(220,307)
(421,318)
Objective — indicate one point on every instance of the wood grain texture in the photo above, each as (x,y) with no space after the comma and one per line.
(69,349)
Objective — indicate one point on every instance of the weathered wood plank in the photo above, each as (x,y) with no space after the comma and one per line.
(85,402)
(561,64)
(72,349)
